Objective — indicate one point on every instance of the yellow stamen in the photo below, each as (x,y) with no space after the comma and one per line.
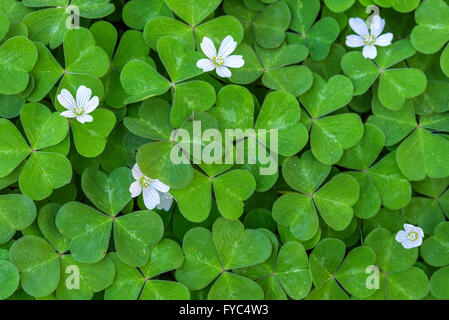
(78,111)
(144,182)
(412,236)
(218,61)
(369,40)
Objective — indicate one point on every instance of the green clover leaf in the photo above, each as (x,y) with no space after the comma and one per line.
(399,5)
(49,264)
(413,155)
(10,277)
(435,248)
(95,278)
(438,283)
(191,35)
(49,25)
(284,273)
(153,122)
(230,189)
(131,46)
(38,264)
(295,80)
(395,86)
(17,212)
(339,6)
(430,14)
(396,125)
(90,138)
(4,25)
(380,183)
(89,232)
(330,270)
(270,25)
(193,12)
(280,111)
(180,64)
(108,193)
(85,62)
(142,81)
(18,56)
(47,168)
(13,147)
(329,138)
(326,97)
(236,101)
(401,279)
(139,283)
(424,212)
(334,200)
(43,270)
(211,255)
(137,13)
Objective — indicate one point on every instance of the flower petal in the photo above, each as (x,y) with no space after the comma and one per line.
(135,188)
(354,41)
(234,61)
(65,98)
(359,26)
(409,227)
(136,172)
(68,114)
(416,229)
(208,48)
(420,232)
(418,242)
(227,47)
(384,40)
(401,236)
(369,52)
(150,198)
(166,201)
(92,104)
(407,244)
(205,64)
(87,118)
(83,96)
(159,186)
(377,26)
(224,72)
(80,119)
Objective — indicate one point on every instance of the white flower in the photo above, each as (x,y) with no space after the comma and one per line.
(411,237)
(80,108)
(149,187)
(166,201)
(368,40)
(221,61)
